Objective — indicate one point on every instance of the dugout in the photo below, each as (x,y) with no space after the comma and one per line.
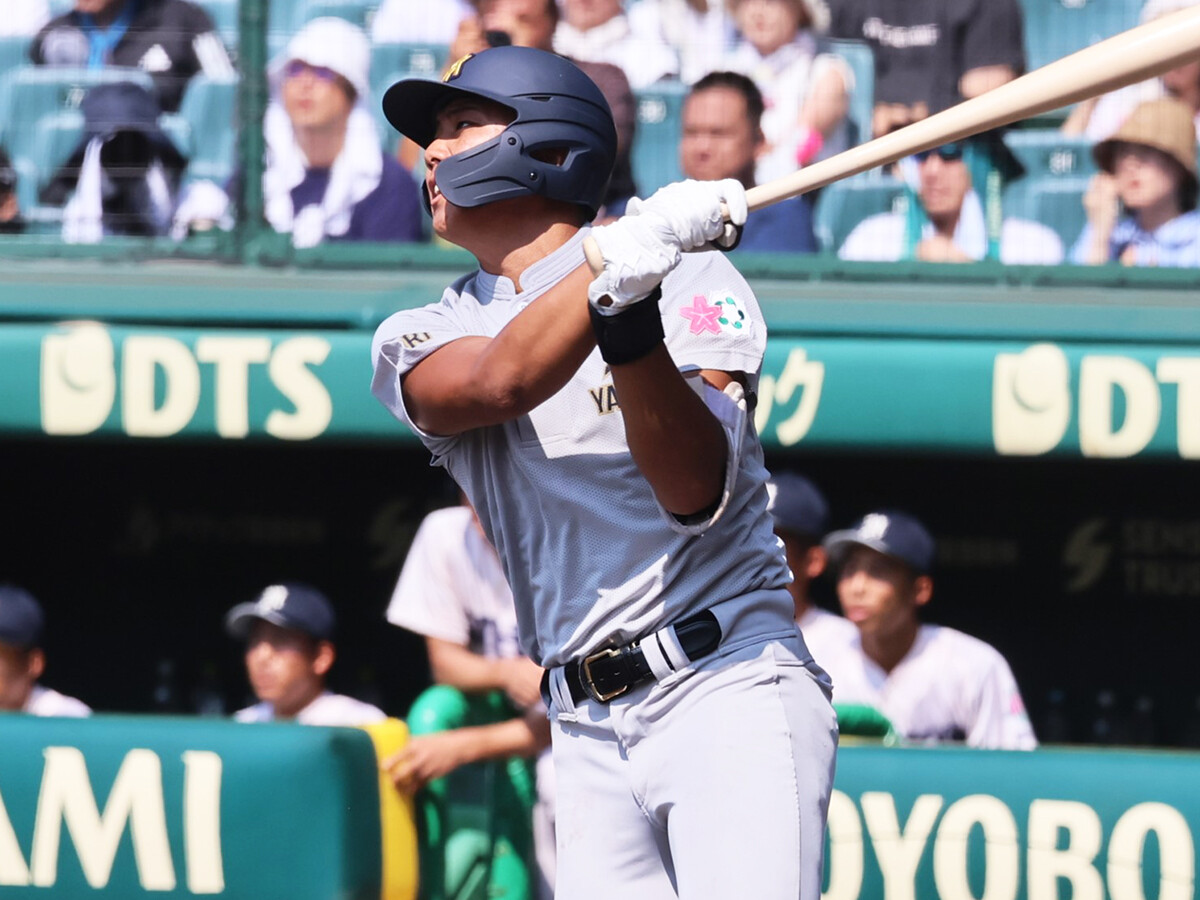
(178,433)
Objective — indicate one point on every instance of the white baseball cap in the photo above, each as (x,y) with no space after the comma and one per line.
(332,43)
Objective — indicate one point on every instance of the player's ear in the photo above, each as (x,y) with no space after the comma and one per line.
(323,660)
(36,663)
(922,590)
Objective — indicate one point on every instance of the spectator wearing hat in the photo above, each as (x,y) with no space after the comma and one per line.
(933,683)
(723,138)
(953,204)
(806,93)
(1141,208)
(11,221)
(288,631)
(22,659)
(123,177)
(172,40)
(801,518)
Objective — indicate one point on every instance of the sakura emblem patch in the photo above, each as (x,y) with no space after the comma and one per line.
(718,313)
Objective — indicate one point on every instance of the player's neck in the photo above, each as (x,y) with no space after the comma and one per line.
(292,706)
(510,258)
(888,649)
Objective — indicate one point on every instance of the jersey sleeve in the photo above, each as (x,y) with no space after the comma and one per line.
(400,343)
(711,317)
(425,599)
(1000,721)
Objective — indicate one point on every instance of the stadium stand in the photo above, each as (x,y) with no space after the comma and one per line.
(208,117)
(225,16)
(390,63)
(1055,201)
(844,204)
(14,52)
(857,55)
(1054,28)
(655,154)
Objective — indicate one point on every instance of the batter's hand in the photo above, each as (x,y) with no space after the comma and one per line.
(425,758)
(638,253)
(694,212)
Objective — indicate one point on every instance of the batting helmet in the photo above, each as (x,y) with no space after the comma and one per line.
(555,107)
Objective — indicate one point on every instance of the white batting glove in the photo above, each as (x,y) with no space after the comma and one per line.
(636,260)
(690,211)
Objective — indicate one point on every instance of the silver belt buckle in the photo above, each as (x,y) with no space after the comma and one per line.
(585,670)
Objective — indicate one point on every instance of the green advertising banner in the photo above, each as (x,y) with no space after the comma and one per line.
(991,397)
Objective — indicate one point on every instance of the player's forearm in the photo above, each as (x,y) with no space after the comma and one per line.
(677,443)
(458,667)
(501,740)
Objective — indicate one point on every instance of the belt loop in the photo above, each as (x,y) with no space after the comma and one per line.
(561,693)
(670,644)
(655,658)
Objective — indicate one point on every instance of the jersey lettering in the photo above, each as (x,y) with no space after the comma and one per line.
(411,340)
(605,398)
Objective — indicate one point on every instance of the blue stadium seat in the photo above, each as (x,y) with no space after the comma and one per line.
(14,52)
(390,63)
(858,56)
(843,204)
(1046,152)
(655,151)
(289,16)
(225,16)
(1055,201)
(1055,28)
(209,111)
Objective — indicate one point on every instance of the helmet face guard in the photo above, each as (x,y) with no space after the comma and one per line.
(558,111)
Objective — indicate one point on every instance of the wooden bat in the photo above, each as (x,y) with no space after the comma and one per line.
(1133,55)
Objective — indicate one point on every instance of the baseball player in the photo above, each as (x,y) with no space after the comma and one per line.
(933,683)
(599,426)
(288,631)
(801,517)
(22,659)
(452,590)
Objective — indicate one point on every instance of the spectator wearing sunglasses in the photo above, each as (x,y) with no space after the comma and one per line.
(10,210)
(953,213)
(326,177)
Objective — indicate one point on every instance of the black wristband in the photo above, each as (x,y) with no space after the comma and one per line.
(631,333)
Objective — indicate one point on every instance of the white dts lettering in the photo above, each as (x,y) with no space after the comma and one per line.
(160,384)
(136,803)
(1062,849)
(1031,403)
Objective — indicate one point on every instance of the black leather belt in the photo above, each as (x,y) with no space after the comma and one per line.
(613,671)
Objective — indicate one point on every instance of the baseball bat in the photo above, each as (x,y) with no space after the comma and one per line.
(1133,55)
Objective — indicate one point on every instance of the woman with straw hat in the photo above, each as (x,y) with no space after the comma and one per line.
(1141,209)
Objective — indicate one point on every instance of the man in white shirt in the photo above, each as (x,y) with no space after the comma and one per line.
(22,660)
(933,683)
(288,632)
(801,517)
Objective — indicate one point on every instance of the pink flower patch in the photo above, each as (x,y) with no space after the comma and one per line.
(703,316)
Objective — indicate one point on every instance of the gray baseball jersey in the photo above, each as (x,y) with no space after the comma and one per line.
(591,556)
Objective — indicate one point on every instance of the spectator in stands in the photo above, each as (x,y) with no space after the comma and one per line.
(701,32)
(722,138)
(172,40)
(452,590)
(11,221)
(600,31)
(22,659)
(931,54)
(288,632)
(801,517)
(426,22)
(933,683)
(25,18)
(1141,209)
(951,210)
(1099,117)
(532,23)
(806,93)
(123,177)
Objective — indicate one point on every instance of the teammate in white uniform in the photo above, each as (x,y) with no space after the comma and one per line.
(22,659)
(288,632)
(620,479)
(933,683)
(452,590)
(801,517)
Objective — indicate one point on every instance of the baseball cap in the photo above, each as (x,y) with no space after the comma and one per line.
(796,505)
(331,43)
(299,607)
(892,533)
(21,618)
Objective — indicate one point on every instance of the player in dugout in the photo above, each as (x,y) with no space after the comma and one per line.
(600,426)
(23,660)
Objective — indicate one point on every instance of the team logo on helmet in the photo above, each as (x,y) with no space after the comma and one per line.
(456,69)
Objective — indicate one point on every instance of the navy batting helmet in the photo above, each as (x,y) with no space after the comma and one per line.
(556,108)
